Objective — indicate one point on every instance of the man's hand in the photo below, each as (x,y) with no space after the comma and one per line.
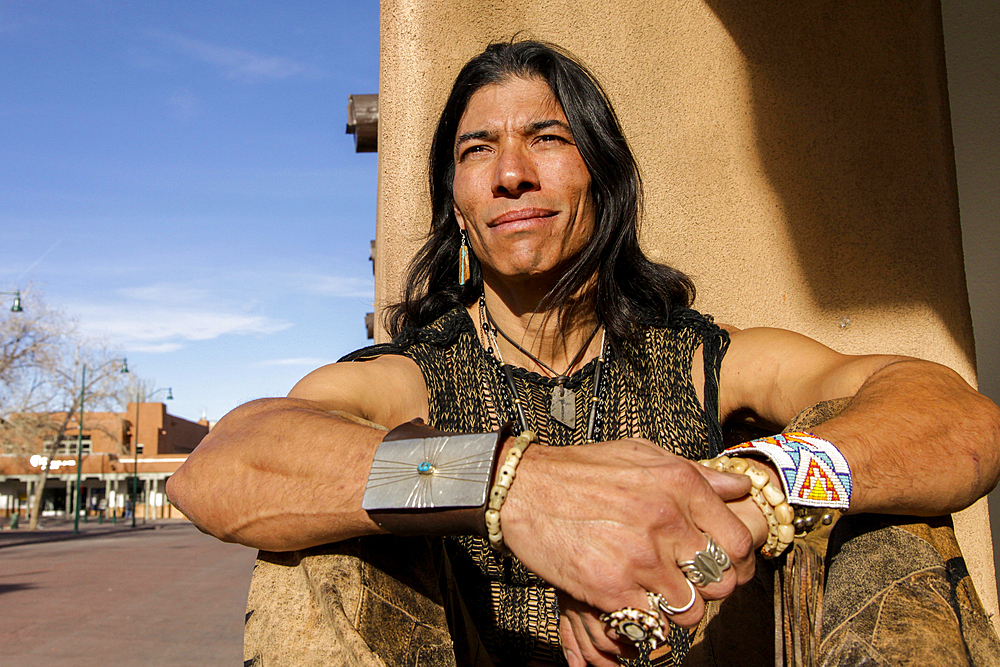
(606,523)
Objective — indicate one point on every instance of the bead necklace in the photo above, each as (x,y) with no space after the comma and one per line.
(563,401)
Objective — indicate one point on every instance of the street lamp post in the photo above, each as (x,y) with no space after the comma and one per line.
(79,446)
(135,444)
(79,454)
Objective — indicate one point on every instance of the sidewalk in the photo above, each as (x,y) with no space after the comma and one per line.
(170,597)
(56,529)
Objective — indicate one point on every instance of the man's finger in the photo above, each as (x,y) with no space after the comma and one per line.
(595,642)
(728,486)
(730,535)
(571,648)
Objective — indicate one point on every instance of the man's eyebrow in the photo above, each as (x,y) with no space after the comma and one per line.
(473,136)
(539,126)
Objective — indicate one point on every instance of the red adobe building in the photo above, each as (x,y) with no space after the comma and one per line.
(109,460)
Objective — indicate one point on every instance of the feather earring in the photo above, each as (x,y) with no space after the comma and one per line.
(463,261)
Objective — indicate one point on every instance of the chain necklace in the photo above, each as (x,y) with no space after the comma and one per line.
(562,377)
(562,406)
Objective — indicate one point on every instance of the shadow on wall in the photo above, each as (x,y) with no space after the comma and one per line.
(853,131)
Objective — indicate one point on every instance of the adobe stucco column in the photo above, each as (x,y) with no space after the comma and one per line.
(797,160)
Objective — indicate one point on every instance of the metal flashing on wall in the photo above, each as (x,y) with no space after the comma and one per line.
(362,122)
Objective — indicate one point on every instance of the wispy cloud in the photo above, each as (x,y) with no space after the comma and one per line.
(165,317)
(161,348)
(238,63)
(159,324)
(162,318)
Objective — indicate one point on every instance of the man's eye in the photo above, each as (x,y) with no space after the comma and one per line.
(552,140)
(473,150)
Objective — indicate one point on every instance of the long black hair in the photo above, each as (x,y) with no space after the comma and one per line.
(629,289)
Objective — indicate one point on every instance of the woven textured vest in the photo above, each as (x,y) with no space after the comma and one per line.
(646,391)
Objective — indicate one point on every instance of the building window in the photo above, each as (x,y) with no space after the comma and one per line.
(68,444)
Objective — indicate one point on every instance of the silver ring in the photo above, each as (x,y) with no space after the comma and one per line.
(637,625)
(657,600)
(707,566)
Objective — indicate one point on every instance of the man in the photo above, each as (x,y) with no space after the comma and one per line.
(559,324)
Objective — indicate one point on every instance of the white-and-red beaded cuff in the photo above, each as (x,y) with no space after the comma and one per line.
(812,470)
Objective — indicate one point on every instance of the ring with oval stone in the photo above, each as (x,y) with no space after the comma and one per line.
(707,565)
(637,625)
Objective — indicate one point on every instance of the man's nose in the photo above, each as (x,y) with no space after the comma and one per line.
(515,172)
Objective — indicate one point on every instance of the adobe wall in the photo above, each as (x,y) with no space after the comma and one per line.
(163,433)
(105,431)
(150,417)
(797,160)
(970,29)
(181,436)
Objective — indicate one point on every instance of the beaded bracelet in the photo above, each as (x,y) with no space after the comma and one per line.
(812,470)
(498,494)
(769,498)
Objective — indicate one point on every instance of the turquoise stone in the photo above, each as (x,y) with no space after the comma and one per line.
(425,468)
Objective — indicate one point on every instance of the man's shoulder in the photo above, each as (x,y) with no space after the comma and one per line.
(387,389)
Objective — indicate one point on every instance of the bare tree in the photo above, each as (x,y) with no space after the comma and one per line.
(42,383)
(28,340)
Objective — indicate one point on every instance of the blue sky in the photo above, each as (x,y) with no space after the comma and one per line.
(177,178)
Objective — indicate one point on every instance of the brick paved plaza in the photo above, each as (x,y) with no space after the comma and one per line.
(162,596)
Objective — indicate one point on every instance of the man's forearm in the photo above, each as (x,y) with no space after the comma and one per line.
(919,440)
(278,474)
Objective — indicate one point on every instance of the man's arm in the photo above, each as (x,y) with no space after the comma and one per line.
(918,438)
(283,473)
(606,522)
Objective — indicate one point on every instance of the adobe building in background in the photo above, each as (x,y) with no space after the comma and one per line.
(798,161)
(112,448)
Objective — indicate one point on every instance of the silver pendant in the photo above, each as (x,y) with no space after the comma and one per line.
(563,406)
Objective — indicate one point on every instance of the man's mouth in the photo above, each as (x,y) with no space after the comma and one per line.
(521,214)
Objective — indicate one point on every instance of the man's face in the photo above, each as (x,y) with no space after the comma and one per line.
(521,188)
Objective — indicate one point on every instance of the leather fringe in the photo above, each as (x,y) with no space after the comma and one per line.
(801,602)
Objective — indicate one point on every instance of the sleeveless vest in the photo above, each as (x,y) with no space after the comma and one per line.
(645,391)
